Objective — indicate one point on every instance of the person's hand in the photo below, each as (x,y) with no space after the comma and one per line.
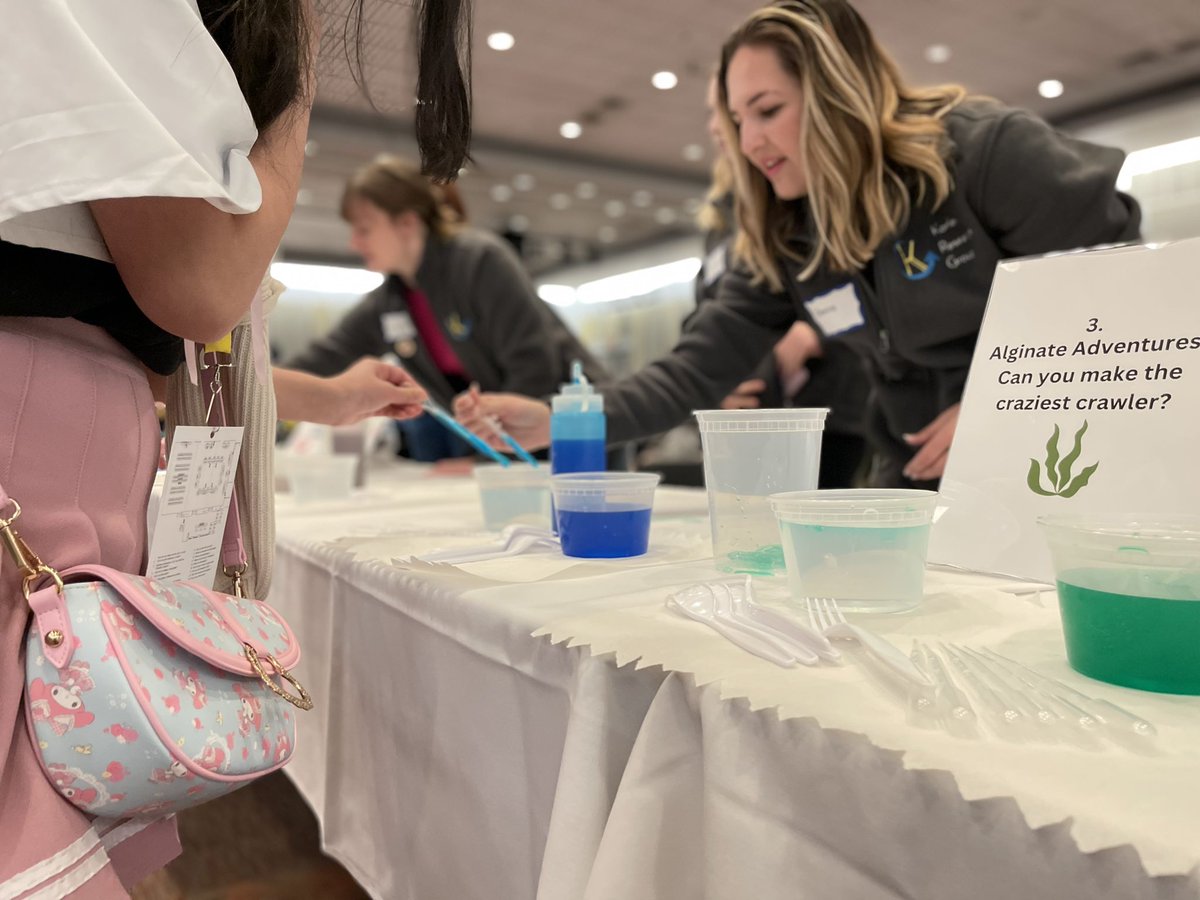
(525,419)
(745,395)
(934,440)
(372,387)
(792,353)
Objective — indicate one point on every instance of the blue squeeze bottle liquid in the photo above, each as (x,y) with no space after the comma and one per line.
(577,427)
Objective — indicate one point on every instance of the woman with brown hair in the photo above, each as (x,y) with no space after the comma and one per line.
(873,210)
(456,308)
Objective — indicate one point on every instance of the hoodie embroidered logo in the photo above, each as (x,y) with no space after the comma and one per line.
(459,328)
(915,269)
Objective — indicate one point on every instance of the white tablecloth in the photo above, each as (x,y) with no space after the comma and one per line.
(633,754)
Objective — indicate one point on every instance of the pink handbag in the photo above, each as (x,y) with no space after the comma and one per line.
(144,698)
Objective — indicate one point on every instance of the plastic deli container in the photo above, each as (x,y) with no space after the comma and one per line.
(750,454)
(863,548)
(1129,591)
(514,495)
(604,514)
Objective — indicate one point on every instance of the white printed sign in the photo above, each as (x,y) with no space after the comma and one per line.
(1083,398)
(194,504)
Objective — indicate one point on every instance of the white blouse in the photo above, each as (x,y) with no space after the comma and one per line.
(114,98)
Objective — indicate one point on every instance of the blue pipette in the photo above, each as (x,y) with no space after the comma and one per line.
(435,410)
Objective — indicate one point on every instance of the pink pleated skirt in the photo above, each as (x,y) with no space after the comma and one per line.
(78,450)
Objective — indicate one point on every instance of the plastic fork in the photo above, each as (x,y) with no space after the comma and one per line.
(745,608)
(699,603)
(825,617)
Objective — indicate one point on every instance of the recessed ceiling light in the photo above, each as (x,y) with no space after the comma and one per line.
(304,197)
(1050,88)
(614,209)
(570,130)
(501,193)
(585,190)
(665,215)
(311,148)
(693,153)
(518,223)
(560,201)
(937,53)
(607,234)
(501,40)
(524,182)
(691,205)
(642,199)
(664,81)
(462,171)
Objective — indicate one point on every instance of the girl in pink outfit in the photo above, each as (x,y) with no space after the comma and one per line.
(151,161)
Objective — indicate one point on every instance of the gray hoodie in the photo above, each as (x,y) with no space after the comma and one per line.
(913,314)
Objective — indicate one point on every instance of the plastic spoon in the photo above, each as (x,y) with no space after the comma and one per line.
(699,605)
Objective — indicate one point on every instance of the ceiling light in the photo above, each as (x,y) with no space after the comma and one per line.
(570,130)
(518,223)
(501,40)
(937,53)
(607,234)
(664,81)
(501,193)
(524,182)
(1050,88)
(638,282)
(642,199)
(585,190)
(692,205)
(665,215)
(304,197)
(693,152)
(311,148)
(557,294)
(614,209)
(1154,159)
(326,279)
(560,201)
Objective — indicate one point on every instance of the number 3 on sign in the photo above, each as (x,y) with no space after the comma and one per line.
(1094,325)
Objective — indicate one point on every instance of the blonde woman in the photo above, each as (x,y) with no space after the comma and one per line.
(876,211)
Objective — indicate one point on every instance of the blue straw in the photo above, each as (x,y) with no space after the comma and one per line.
(522,454)
(466,434)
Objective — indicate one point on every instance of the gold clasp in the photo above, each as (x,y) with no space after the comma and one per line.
(27,561)
(301,702)
(236,576)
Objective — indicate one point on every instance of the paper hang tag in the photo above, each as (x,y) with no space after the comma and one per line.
(195,503)
(837,311)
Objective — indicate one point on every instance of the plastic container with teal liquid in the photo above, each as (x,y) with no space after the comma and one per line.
(577,427)
(1129,592)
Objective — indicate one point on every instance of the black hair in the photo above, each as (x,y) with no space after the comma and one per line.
(268,45)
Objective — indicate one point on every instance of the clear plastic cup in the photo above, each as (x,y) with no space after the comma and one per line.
(321,477)
(1129,592)
(863,548)
(604,515)
(750,454)
(517,494)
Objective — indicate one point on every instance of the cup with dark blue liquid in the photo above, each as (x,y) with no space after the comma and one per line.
(604,515)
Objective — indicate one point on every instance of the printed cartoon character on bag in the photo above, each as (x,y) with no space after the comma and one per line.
(172,772)
(190,682)
(61,705)
(80,788)
(122,620)
(250,712)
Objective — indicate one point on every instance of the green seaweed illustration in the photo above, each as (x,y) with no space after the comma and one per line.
(1058,469)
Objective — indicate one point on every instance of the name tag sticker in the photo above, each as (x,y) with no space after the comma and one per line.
(837,311)
(397,326)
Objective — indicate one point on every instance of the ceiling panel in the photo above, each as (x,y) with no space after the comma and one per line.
(591,62)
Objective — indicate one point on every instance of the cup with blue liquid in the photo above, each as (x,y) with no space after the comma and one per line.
(604,515)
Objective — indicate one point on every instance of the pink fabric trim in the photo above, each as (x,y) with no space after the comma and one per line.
(50,611)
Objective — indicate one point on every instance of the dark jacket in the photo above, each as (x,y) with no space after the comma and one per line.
(1020,189)
(505,336)
(836,380)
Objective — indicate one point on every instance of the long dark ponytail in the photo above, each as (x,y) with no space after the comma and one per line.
(267,43)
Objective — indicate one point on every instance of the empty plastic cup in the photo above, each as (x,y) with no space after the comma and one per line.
(321,477)
(750,454)
(863,548)
(1129,591)
(604,515)
(514,495)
